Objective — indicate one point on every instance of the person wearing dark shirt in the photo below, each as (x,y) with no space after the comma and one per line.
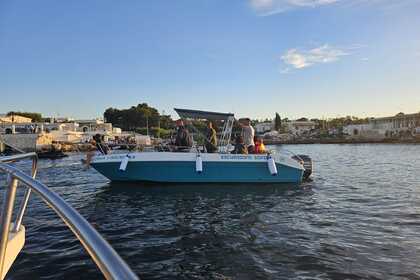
(240,147)
(183,139)
(100,145)
(211,138)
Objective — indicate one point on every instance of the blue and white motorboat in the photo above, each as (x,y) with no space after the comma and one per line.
(195,166)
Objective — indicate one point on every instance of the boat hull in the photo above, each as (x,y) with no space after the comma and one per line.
(239,169)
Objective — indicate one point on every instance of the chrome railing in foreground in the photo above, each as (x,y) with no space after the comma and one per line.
(107,260)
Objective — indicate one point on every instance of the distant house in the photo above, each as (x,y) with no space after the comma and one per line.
(386,127)
(14,119)
(358,130)
(96,125)
(397,123)
(263,127)
(300,127)
(61,120)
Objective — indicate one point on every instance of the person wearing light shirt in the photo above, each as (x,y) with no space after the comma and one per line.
(248,134)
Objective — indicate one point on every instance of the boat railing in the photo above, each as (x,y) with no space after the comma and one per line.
(108,261)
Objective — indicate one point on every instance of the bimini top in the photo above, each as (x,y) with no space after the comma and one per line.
(203,115)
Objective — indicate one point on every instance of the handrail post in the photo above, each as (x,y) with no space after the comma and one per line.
(6,217)
(25,200)
(107,260)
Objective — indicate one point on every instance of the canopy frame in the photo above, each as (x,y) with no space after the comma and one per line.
(227,118)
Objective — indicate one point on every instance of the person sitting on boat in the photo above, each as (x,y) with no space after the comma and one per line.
(183,139)
(100,145)
(211,138)
(248,134)
(240,147)
(259,145)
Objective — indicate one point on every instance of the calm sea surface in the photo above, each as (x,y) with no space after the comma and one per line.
(358,219)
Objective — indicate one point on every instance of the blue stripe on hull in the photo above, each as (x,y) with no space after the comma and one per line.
(184,171)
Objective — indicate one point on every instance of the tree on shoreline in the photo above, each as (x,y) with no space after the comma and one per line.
(137,117)
(277,122)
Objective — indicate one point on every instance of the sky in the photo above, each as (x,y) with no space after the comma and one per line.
(300,58)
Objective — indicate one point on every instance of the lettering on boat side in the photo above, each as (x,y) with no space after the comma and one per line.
(120,156)
(242,157)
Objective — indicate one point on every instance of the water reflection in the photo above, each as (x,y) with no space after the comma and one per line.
(357,219)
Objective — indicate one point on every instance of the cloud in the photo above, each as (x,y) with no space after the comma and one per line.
(270,7)
(300,59)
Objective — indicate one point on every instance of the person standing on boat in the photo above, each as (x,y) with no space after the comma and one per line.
(100,144)
(211,138)
(183,138)
(248,134)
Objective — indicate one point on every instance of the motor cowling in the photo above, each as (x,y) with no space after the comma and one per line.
(307,164)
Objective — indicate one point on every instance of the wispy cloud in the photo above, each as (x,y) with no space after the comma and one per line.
(299,59)
(270,7)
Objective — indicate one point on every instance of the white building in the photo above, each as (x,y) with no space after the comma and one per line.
(397,123)
(68,132)
(66,136)
(361,130)
(299,127)
(386,127)
(96,125)
(263,127)
(14,119)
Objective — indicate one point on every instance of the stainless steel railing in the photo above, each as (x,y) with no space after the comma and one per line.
(25,200)
(107,260)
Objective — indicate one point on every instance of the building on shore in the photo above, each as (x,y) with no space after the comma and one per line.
(299,127)
(362,131)
(94,125)
(397,123)
(5,119)
(395,126)
(263,127)
(34,136)
(296,127)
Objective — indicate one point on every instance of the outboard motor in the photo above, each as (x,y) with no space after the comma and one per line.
(306,161)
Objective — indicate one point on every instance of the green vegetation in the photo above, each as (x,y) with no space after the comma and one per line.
(155,131)
(36,117)
(340,122)
(139,118)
